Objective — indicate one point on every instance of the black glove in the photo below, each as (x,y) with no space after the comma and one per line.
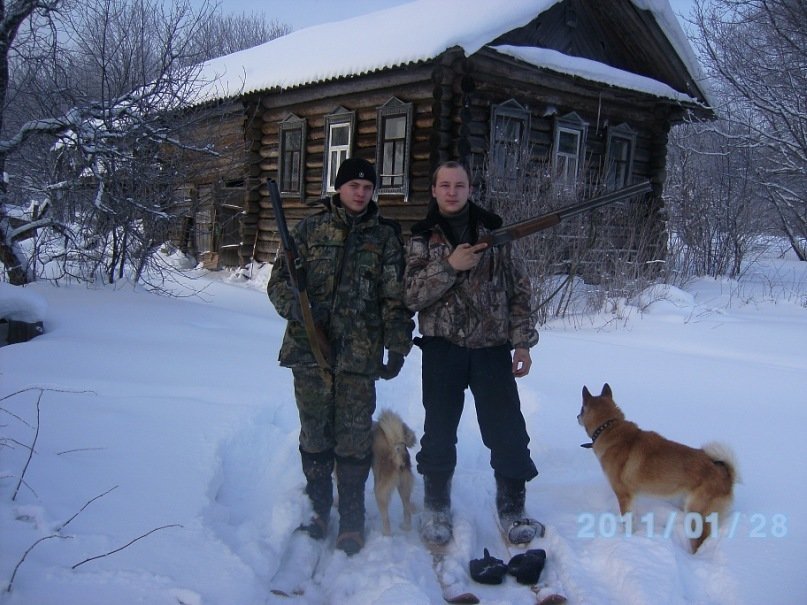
(488,570)
(527,567)
(393,366)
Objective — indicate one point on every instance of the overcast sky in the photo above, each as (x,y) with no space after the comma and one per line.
(304,13)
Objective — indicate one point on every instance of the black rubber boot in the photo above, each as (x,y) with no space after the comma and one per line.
(351,475)
(318,471)
(516,525)
(510,496)
(436,526)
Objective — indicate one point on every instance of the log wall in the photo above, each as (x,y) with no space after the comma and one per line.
(452,100)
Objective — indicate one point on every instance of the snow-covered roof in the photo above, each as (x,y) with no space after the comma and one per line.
(592,70)
(409,33)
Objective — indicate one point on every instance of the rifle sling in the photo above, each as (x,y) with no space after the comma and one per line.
(311,330)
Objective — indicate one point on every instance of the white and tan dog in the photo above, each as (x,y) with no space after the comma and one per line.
(392,467)
(637,461)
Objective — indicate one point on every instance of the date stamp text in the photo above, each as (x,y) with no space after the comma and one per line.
(610,525)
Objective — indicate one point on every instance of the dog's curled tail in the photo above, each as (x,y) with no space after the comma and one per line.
(399,436)
(395,429)
(722,454)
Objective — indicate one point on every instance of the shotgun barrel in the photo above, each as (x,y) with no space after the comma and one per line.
(521,229)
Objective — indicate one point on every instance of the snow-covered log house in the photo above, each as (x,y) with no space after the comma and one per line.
(588,85)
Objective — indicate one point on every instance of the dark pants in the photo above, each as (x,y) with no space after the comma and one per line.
(448,370)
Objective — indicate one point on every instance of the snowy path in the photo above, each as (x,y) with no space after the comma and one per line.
(252,510)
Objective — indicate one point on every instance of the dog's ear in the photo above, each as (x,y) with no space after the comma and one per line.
(586,394)
(606,391)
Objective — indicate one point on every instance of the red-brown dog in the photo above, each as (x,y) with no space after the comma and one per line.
(637,461)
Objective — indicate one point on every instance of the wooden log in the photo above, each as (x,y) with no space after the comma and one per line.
(356,87)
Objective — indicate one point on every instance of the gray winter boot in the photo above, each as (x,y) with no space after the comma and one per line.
(436,527)
(318,470)
(351,475)
(516,525)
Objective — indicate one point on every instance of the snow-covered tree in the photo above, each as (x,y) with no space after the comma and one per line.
(13,15)
(95,95)
(757,51)
(714,202)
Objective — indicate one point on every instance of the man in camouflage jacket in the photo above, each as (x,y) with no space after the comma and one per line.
(474,307)
(354,266)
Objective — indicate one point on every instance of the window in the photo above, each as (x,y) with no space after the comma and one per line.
(567,154)
(619,156)
(570,136)
(291,159)
(394,136)
(509,141)
(339,127)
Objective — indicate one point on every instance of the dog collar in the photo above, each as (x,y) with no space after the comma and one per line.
(598,432)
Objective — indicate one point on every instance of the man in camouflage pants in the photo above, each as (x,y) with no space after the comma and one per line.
(474,307)
(354,263)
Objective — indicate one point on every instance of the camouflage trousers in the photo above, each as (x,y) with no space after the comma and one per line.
(336,411)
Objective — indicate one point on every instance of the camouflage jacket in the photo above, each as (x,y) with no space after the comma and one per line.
(354,270)
(489,305)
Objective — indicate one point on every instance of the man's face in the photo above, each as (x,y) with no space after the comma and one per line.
(355,195)
(451,190)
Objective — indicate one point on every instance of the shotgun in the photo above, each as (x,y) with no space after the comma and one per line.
(521,229)
(296,265)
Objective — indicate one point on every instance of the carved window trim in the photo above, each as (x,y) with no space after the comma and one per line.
(620,150)
(509,141)
(340,125)
(568,149)
(291,159)
(393,150)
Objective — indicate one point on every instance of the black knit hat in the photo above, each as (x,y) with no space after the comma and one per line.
(354,168)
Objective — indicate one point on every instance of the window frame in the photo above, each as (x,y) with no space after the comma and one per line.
(612,177)
(571,123)
(290,123)
(392,109)
(339,117)
(500,149)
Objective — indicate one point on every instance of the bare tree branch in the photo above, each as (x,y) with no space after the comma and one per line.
(90,501)
(31,450)
(25,556)
(112,552)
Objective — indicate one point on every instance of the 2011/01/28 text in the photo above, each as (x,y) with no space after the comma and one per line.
(609,525)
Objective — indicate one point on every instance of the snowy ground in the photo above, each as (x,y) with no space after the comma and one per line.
(169,420)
